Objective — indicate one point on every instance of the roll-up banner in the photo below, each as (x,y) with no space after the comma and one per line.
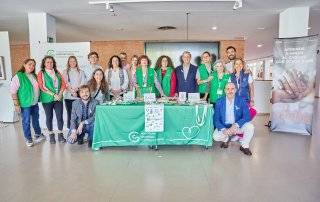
(293,91)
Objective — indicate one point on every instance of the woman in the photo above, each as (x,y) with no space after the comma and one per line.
(74,78)
(146,78)
(25,94)
(117,77)
(166,75)
(243,81)
(132,72)
(98,86)
(52,86)
(203,73)
(220,77)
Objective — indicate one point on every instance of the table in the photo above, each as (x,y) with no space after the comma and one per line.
(123,125)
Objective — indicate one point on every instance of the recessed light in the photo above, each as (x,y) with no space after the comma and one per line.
(214,28)
(309,28)
(259,45)
(261,28)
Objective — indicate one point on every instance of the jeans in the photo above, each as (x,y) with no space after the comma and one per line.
(28,114)
(87,128)
(57,106)
(68,103)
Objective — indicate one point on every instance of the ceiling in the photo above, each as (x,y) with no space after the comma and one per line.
(78,21)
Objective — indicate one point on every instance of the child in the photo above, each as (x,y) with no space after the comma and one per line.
(82,117)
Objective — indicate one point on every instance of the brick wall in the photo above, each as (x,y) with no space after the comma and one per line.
(108,48)
(18,54)
(238,44)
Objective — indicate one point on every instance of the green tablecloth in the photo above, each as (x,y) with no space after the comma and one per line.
(123,125)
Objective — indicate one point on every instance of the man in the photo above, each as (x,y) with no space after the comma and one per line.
(124,62)
(82,117)
(232,55)
(231,117)
(186,75)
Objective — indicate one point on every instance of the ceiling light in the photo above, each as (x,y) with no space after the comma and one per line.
(214,28)
(308,28)
(259,45)
(237,4)
(261,28)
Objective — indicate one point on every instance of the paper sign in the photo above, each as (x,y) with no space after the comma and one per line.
(193,97)
(154,118)
(129,96)
(182,97)
(149,97)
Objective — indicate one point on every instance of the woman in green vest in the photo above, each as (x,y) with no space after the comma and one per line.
(220,78)
(166,75)
(203,73)
(52,85)
(25,94)
(146,78)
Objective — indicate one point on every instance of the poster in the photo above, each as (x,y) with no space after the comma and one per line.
(154,117)
(294,74)
(61,53)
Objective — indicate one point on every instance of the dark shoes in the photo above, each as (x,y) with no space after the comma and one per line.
(224,145)
(80,141)
(246,151)
(89,143)
(52,138)
(61,138)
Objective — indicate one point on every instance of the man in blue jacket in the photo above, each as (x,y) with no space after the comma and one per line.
(231,117)
(186,75)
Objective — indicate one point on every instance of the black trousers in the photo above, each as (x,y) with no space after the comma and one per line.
(57,106)
(68,105)
(203,94)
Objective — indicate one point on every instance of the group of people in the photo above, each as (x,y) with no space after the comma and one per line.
(227,85)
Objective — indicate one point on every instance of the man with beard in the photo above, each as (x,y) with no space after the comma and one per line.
(82,117)
(232,55)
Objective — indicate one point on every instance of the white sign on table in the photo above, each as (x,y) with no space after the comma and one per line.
(128,96)
(149,97)
(154,117)
(194,97)
(182,97)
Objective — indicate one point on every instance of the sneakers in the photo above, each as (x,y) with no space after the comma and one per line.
(52,138)
(39,138)
(29,143)
(61,139)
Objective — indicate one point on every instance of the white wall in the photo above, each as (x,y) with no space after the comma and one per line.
(262,95)
(6,107)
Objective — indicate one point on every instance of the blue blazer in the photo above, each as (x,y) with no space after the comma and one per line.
(188,85)
(241,112)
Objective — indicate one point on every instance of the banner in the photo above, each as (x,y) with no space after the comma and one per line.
(61,53)
(293,91)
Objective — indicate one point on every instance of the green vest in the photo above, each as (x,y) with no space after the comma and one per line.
(217,86)
(149,88)
(204,74)
(25,91)
(165,81)
(48,83)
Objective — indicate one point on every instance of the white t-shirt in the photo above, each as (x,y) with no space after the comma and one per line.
(89,69)
(115,83)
